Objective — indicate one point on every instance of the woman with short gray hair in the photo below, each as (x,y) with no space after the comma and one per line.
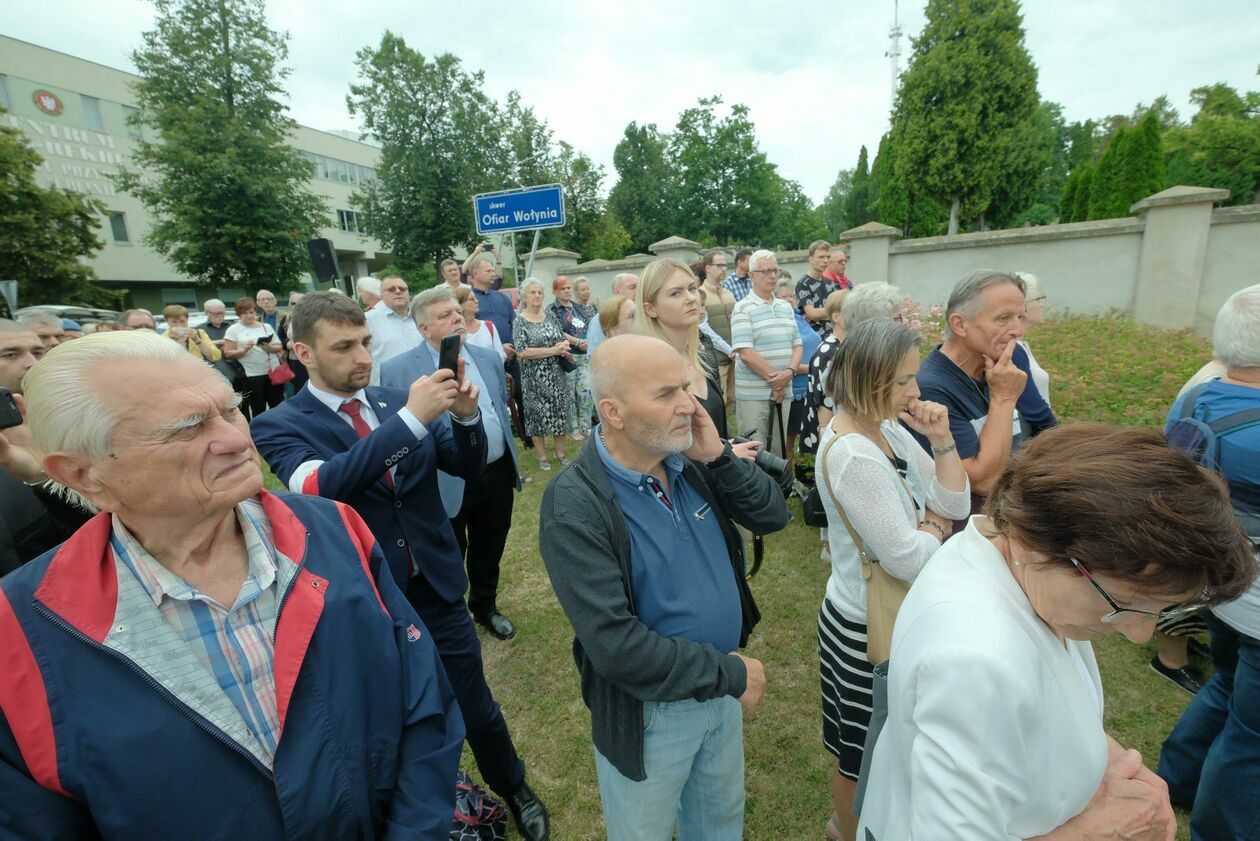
(540,345)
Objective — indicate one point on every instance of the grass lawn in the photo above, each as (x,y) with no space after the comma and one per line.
(1102,369)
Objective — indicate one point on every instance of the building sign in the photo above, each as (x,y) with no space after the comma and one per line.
(525,209)
(47,102)
(74,159)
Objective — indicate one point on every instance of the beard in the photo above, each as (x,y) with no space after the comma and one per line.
(654,439)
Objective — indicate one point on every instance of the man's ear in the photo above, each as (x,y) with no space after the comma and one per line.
(78,474)
(304,353)
(610,413)
(958,324)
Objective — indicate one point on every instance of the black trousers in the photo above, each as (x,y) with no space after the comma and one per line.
(255,391)
(460,650)
(481,527)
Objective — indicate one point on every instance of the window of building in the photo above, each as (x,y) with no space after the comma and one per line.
(4,92)
(343,172)
(348,220)
(92,113)
(183,297)
(129,113)
(118,225)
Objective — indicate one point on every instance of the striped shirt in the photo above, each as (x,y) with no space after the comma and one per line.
(768,327)
(234,644)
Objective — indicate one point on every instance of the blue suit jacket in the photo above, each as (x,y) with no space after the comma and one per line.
(407,367)
(408,521)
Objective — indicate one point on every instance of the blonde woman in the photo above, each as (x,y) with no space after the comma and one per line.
(898,500)
(616,316)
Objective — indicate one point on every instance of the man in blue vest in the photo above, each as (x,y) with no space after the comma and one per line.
(480,507)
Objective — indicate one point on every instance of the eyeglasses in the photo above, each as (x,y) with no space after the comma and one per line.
(771,272)
(1116,614)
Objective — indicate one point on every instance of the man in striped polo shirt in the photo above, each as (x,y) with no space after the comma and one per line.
(768,345)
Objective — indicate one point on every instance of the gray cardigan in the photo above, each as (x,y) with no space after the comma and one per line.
(585,545)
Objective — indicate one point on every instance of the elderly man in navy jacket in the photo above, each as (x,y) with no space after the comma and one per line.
(202,658)
(480,507)
(379,451)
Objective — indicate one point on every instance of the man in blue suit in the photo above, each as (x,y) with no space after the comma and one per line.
(379,451)
(480,506)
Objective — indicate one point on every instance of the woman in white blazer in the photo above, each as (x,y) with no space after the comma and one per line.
(994,726)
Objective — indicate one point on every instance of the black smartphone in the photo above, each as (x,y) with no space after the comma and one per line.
(448,355)
(487,247)
(9,414)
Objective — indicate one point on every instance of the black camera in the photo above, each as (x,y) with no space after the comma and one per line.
(778,469)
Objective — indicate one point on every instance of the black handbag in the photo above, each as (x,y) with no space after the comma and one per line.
(567,365)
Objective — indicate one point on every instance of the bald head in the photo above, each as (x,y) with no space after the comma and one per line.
(625,284)
(640,388)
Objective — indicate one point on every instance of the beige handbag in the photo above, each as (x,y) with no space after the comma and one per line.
(884,592)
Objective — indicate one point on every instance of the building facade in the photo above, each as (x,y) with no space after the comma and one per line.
(74,112)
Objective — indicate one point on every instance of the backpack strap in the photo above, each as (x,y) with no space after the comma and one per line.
(1234,422)
(1192,397)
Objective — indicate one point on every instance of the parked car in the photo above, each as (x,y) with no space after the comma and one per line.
(83,315)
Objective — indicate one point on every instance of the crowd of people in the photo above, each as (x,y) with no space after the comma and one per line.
(315,652)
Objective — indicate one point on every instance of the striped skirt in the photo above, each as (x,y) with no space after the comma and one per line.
(846,679)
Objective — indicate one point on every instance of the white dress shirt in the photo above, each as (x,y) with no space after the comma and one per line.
(392,334)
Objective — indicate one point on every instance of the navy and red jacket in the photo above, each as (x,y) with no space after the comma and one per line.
(95,743)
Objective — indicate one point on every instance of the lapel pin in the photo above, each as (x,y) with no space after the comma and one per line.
(382,405)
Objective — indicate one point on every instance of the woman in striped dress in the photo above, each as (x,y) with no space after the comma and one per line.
(899,502)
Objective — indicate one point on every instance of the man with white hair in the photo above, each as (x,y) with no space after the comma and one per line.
(279,323)
(369,291)
(764,335)
(45,325)
(973,375)
(155,661)
(216,320)
(626,284)
(393,331)
(641,523)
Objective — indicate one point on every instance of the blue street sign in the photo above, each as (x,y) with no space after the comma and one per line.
(524,209)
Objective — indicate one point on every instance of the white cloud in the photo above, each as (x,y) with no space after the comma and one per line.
(814,75)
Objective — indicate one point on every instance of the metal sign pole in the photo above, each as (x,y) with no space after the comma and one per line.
(529,272)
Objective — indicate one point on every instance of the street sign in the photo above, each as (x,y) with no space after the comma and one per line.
(523,209)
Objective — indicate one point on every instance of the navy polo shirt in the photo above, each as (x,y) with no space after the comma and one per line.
(496,307)
(941,381)
(684,586)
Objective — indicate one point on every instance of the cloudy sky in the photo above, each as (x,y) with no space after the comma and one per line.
(816,76)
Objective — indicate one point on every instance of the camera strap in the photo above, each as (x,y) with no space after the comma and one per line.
(775,409)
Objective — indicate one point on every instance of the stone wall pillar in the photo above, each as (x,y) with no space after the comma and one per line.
(676,248)
(869,247)
(1174,245)
(549,262)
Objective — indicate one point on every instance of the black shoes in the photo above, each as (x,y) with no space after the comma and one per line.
(529,814)
(1187,677)
(499,626)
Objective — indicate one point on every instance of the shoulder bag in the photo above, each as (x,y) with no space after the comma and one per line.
(884,591)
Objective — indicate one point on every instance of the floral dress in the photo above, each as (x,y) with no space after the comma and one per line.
(816,394)
(544,386)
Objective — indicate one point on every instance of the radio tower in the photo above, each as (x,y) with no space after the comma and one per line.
(894,49)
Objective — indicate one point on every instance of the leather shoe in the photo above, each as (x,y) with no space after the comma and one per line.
(529,814)
(499,626)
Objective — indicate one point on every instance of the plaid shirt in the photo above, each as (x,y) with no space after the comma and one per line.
(235,645)
(739,286)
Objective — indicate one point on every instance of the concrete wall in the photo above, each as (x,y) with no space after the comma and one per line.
(1172,264)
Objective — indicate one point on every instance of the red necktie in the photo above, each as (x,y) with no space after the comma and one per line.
(352,409)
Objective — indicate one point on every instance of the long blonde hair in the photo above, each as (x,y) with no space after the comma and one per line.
(650,284)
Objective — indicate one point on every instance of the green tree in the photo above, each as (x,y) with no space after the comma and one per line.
(1084,192)
(583,205)
(643,199)
(226,192)
(833,206)
(1033,172)
(796,222)
(857,207)
(970,86)
(1221,145)
(1067,201)
(441,142)
(45,233)
(895,204)
(611,240)
(728,191)
(1107,189)
(1131,169)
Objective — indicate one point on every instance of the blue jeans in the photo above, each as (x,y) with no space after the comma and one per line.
(693,752)
(1211,760)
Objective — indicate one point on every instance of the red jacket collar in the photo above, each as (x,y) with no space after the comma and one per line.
(81,582)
